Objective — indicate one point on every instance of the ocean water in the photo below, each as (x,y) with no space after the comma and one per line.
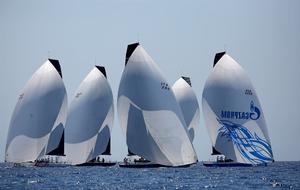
(278,175)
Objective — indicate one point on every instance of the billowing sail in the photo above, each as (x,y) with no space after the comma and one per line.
(188,102)
(37,124)
(149,113)
(233,115)
(90,119)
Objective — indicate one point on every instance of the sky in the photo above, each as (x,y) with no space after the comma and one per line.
(181,36)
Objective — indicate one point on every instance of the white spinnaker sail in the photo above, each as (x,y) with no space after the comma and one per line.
(233,115)
(188,103)
(90,119)
(149,114)
(40,110)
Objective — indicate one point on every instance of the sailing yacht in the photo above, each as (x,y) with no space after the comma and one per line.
(188,102)
(151,119)
(234,116)
(90,121)
(36,130)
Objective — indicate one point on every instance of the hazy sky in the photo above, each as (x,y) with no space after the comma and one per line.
(181,36)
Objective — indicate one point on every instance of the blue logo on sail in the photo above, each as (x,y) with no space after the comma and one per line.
(253,148)
(254,113)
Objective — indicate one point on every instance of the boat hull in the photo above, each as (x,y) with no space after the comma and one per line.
(228,164)
(44,164)
(149,165)
(39,164)
(104,164)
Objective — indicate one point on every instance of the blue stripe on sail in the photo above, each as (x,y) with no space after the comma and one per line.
(252,148)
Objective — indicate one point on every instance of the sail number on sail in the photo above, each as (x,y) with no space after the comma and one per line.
(164,85)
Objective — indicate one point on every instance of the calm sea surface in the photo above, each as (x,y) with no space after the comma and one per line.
(285,175)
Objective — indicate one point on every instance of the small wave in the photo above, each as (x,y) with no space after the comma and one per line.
(32,181)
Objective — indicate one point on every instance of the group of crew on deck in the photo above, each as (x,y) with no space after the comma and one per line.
(223,159)
(139,160)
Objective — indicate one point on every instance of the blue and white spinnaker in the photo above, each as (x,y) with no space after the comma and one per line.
(233,114)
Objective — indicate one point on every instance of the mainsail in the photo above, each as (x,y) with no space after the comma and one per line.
(233,114)
(37,124)
(90,119)
(149,113)
(188,102)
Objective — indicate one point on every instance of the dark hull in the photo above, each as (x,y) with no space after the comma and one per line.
(104,164)
(226,164)
(149,165)
(45,164)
